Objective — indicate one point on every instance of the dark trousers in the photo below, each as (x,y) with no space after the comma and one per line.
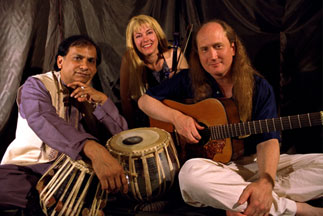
(18,184)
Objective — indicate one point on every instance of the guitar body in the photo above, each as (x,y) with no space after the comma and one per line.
(208,112)
(221,121)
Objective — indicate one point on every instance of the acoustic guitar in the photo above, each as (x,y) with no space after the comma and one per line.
(222,137)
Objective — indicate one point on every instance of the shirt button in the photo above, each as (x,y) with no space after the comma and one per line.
(217,92)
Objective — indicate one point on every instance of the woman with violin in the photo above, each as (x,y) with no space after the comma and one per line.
(147,62)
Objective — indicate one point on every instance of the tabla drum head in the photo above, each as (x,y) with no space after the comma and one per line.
(138,140)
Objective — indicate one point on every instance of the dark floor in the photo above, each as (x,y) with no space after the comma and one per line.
(164,207)
(174,206)
(123,207)
(170,205)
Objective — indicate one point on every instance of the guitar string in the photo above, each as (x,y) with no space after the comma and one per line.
(289,122)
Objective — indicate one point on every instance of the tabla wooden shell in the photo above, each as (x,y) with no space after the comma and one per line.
(149,158)
(71,188)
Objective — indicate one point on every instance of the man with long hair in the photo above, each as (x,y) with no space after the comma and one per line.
(258,180)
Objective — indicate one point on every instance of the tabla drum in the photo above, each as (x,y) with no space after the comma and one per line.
(71,188)
(149,158)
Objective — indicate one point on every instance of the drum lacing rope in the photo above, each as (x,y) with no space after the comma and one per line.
(170,163)
(134,176)
(74,203)
(53,183)
(97,201)
(161,171)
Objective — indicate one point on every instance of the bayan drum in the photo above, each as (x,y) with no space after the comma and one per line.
(149,158)
(71,188)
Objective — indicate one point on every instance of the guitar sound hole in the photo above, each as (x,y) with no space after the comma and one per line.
(205,134)
(132,140)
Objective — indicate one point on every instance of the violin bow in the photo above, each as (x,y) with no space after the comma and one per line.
(175,47)
(187,38)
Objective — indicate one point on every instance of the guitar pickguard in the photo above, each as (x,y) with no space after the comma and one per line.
(214,147)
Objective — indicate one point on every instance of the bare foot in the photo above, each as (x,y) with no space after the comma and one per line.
(304,209)
(233,213)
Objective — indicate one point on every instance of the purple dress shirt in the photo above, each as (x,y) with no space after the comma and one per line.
(36,106)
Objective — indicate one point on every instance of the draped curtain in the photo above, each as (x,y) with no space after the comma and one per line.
(282,38)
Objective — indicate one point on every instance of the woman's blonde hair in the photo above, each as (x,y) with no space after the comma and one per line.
(241,70)
(137,80)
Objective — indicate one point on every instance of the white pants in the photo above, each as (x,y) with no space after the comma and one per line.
(204,182)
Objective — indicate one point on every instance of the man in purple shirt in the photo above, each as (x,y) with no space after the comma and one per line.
(60,112)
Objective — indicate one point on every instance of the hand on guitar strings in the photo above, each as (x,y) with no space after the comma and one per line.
(187,127)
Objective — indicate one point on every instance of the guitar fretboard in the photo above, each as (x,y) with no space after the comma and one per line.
(266,125)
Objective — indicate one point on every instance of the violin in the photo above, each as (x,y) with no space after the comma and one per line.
(175,46)
(177,60)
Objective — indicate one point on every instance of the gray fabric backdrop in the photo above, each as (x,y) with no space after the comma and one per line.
(283,39)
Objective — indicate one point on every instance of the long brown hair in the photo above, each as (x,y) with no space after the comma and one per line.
(137,80)
(241,70)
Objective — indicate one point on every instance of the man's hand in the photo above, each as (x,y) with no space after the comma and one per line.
(187,127)
(106,167)
(83,92)
(259,193)
(259,197)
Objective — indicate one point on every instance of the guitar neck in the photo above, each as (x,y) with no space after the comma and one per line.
(266,126)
